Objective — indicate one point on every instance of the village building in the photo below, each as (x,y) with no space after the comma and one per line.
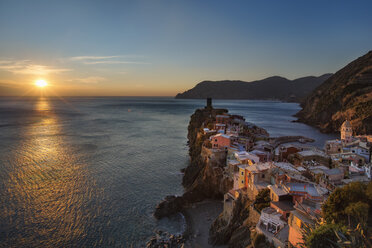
(257,177)
(348,157)
(223,119)
(208,131)
(287,167)
(283,207)
(299,181)
(313,155)
(229,203)
(283,151)
(263,145)
(301,191)
(360,149)
(246,157)
(220,128)
(277,193)
(317,170)
(221,141)
(333,176)
(346,132)
(264,156)
(273,227)
(253,178)
(297,221)
(333,146)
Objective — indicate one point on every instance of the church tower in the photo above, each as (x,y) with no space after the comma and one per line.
(346,131)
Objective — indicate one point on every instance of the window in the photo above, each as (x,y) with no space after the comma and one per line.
(242,181)
(263,176)
(242,173)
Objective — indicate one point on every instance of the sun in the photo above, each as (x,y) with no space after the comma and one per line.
(41,83)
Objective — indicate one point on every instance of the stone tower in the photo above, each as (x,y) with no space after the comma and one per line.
(209,103)
(346,131)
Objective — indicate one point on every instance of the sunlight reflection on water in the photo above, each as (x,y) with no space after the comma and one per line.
(86,172)
(50,188)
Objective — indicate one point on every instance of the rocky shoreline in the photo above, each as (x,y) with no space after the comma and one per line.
(164,239)
(205,178)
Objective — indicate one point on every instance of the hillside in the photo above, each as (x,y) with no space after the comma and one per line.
(345,95)
(278,88)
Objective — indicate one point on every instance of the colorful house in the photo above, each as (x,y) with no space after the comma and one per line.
(246,157)
(221,141)
(282,207)
(222,119)
(301,191)
(297,221)
(277,193)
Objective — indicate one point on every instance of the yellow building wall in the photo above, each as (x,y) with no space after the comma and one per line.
(241,178)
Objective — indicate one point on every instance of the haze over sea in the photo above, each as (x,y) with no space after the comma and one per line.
(88,172)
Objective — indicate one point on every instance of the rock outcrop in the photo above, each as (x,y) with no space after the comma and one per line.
(345,95)
(234,231)
(164,239)
(204,178)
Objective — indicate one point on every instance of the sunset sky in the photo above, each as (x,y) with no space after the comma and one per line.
(160,48)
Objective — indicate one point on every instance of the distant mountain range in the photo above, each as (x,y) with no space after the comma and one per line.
(345,95)
(272,88)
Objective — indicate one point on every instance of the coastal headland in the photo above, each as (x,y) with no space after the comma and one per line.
(208,178)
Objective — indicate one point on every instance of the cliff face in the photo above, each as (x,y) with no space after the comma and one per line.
(270,88)
(223,230)
(204,173)
(345,95)
(204,177)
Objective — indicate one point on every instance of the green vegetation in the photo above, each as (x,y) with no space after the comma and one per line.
(323,236)
(262,200)
(347,216)
(349,205)
(259,241)
(346,94)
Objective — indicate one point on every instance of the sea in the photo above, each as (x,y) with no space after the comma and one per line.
(89,171)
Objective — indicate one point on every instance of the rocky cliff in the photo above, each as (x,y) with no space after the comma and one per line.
(235,230)
(204,177)
(277,88)
(345,95)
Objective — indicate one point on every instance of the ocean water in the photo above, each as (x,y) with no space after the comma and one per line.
(88,172)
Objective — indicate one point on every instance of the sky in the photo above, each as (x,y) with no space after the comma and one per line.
(163,47)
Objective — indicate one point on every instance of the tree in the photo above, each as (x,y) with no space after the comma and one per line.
(334,236)
(346,206)
(334,209)
(357,212)
(323,236)
(262,199)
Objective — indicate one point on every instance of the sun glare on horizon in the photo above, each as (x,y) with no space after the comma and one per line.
(41,83)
